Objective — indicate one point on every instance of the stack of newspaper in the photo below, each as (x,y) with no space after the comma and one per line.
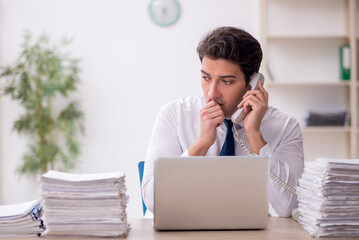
(21,220)
(84,204)
(328,197)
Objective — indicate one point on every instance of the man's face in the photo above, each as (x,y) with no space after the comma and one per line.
(224,83)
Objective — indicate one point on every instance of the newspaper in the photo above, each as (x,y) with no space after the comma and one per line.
(21,220)
(328,198)
(84,204)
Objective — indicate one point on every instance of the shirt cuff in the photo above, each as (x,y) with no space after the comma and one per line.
(266,150)
(185,154)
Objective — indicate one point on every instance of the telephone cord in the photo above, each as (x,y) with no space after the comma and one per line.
(273,176)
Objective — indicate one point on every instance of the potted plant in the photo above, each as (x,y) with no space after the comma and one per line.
(41,80)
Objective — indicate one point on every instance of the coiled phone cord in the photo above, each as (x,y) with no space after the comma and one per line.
(273,176)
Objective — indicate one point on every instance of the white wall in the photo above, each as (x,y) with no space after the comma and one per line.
(130,68)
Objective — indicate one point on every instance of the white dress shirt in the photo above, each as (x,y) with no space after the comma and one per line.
(178,126)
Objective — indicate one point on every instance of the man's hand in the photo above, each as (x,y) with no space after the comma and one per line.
(257,100)
(211,117)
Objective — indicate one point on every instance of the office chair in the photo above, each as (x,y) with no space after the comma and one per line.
(141,166)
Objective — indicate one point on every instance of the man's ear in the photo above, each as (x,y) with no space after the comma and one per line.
(253,75)
(249,86)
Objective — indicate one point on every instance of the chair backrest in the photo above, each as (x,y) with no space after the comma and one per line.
(141,166)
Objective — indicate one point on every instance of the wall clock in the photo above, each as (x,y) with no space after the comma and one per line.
(164,12)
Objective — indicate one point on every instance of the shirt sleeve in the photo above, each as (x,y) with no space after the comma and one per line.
(164,142)
(287,163)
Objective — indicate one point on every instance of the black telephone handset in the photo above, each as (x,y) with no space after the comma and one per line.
(240,114)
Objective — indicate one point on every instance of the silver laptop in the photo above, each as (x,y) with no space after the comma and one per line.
(211,193)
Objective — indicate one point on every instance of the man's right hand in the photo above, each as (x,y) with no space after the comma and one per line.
(211,117)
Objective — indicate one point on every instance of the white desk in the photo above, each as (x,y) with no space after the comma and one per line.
(277,229)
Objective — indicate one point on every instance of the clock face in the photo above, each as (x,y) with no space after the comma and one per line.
(164,12)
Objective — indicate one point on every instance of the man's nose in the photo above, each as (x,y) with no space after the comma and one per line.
(214,92)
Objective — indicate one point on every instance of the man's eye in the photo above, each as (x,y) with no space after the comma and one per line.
(205,78)
(227,82)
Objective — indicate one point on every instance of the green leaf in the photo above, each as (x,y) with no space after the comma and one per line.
(30,162)
(41,74)
(26,124)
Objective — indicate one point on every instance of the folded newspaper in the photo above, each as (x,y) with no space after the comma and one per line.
(84,204)
(21,220)
(328,198)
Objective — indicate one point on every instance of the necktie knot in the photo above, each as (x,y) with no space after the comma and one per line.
(228,123)
(228,146)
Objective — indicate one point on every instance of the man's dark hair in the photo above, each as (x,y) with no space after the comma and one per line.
(234,45)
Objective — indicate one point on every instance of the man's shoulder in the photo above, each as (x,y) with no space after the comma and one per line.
(275,115)
(193,103)
(279,127)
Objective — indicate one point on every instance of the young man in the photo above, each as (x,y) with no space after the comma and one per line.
(196,126)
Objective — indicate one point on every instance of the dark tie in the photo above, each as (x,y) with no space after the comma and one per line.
(228,146)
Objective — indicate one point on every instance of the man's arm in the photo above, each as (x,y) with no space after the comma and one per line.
(163,142)
(287,163)
(286,159)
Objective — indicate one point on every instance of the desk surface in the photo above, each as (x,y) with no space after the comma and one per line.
(277,229)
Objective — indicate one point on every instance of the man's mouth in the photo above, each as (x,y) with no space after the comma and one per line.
(220,104)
